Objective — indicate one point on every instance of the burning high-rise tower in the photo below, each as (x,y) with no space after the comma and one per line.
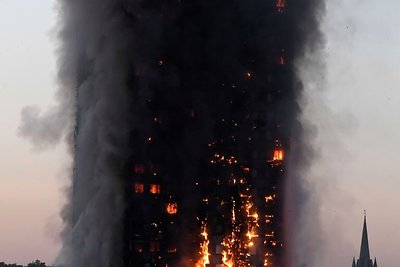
(209,167)
(184,122)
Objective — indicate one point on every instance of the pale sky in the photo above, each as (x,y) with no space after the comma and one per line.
(30,183)
(358,137)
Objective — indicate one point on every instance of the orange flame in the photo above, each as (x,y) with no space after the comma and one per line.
(172,208)
(155,189)
(278,155)
(205,255)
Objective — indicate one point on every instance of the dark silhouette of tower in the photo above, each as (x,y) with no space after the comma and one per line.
(184,118)
(364,260)
(208,165)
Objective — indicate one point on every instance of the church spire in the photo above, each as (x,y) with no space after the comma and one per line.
(364,260)
(364,251)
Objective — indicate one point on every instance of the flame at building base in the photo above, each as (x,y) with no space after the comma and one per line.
(205,255)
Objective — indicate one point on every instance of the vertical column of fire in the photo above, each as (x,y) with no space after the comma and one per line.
(252,222)
(239,244)
(235,209)
(271,241)
(204,243)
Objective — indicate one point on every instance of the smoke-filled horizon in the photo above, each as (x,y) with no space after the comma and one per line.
(124,65)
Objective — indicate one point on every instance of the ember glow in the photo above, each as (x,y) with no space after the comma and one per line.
(184,125)
(172,208)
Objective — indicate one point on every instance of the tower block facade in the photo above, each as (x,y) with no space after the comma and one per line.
(208,161)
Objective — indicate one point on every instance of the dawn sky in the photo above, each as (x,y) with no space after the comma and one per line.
(356,112)
(30,182)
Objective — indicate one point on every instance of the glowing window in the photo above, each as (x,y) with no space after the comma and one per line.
(155,189)
(278,154)
(154,246)
(172,208)
(138,247)
(191,113)
(154,169)
(139,188)
(139,168)
(281,60)
(171,250)
(280,4)
(282,57)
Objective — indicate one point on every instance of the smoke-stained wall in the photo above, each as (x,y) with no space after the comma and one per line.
(127,62)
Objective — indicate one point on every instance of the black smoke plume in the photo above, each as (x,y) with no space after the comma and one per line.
(125,63)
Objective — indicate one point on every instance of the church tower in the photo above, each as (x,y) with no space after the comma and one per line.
(364,259)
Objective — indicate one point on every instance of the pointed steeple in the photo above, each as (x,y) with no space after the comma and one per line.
(364,251)
(364,260)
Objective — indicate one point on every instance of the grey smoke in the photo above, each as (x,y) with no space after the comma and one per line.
(303,192)
(46,129)
(43,130)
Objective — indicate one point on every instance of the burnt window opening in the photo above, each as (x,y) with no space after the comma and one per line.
(139,168)
(282,57)
(191,113)
(154,246)
(154,169)
(139,188)
(138,247)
